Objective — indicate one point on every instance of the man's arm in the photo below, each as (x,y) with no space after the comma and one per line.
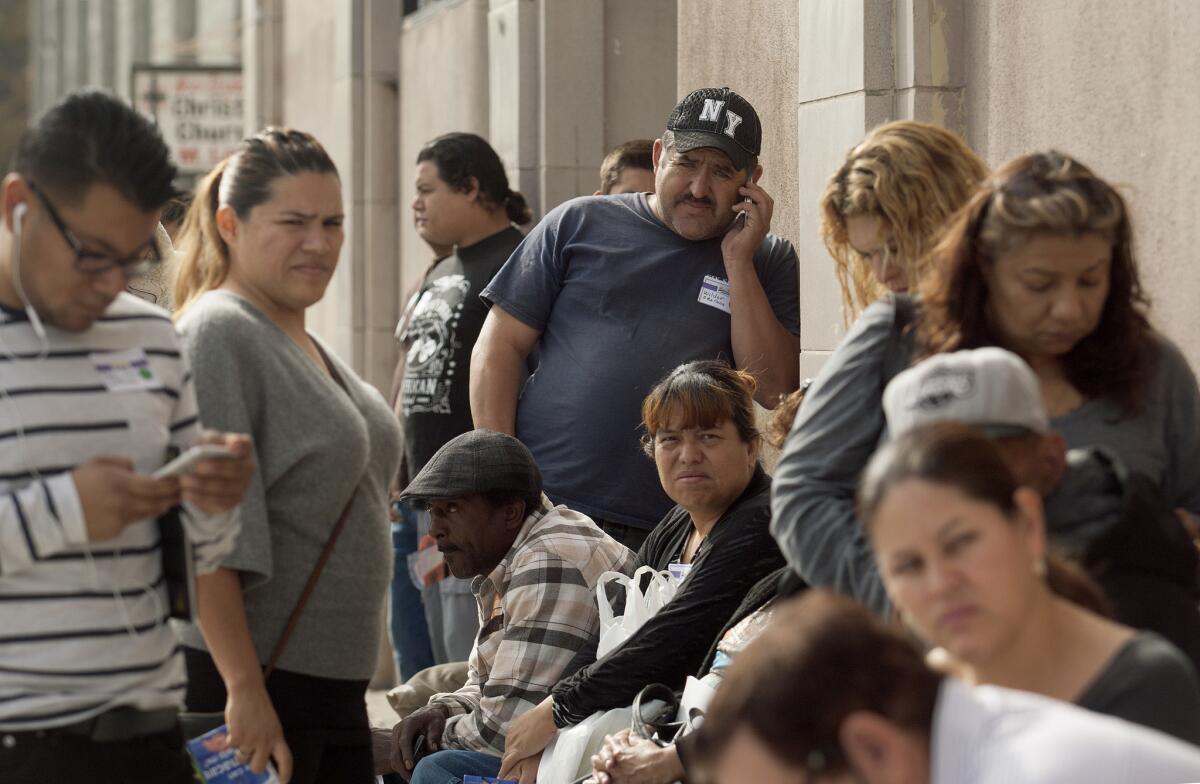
(761,345)
(550,613)
(497,367)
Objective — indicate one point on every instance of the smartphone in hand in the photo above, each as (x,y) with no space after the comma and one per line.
(187,461)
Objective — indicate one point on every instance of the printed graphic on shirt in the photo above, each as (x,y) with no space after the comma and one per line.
(432,342)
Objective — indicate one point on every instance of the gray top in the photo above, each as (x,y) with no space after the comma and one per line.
(315,446)
(1148,682)
(841,423)
(621,300)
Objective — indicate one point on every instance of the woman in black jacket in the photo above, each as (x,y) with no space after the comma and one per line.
(699,424)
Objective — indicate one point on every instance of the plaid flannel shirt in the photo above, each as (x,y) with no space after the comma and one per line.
(546,614)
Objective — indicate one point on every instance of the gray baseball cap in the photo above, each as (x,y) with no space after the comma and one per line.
(988,388)
(477,462)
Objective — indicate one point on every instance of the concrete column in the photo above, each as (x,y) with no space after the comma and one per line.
(930,63)
(46,54)
(381,190)
(133,41)
(513,93)
(640,66)
(102,33)
(218,27)
(571,98)
(173,32)
(74,56)
(262,62)
(845,88)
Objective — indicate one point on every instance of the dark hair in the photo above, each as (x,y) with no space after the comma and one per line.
(461,157)
(956,455)
(176,208)
(706,392)
(821,658)
(635,154)
(242,181)
(93,137)
(1044,193)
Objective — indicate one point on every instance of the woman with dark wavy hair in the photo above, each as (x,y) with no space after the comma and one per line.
(1039,262)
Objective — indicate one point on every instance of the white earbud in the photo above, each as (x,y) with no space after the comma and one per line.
(18,217)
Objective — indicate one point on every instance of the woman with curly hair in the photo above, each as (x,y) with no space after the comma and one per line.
(882,210)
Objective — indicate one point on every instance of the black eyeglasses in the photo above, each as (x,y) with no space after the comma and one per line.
(93,263)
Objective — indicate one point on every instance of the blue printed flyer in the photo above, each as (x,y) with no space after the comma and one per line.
(216,764)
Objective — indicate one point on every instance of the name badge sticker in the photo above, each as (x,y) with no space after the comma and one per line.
(714,292)
(679,571)
(125,371)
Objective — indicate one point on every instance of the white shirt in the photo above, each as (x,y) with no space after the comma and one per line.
(991,735)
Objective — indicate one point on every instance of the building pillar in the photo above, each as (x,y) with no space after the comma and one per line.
(381,191)
(845,88)
(218,27)
(101,31)
(930,62)
(262,63)
(133,42)
(571,98)
(513,93)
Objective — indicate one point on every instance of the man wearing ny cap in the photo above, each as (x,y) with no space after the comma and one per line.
(619,290)
(1114,522)
(534,568)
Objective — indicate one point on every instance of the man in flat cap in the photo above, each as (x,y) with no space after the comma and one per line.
(534,568)
(617,291)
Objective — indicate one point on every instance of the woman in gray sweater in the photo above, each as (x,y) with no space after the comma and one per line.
(262,240)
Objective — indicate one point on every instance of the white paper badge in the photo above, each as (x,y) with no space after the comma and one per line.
(125,371)
(714,292)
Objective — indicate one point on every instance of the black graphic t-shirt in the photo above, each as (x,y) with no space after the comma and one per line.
(445,323)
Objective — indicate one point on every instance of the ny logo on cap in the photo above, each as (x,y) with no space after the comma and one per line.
(711,112)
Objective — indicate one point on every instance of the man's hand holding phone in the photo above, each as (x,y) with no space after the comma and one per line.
(752,221)
(215,482)
(113,495)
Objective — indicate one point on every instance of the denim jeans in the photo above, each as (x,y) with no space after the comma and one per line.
(449,767)
(409,629)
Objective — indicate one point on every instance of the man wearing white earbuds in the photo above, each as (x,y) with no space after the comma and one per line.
(94,393)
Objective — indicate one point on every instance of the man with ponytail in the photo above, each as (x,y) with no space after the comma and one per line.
(462,202)
(94,391)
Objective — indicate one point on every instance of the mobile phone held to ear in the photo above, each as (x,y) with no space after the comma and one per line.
(187,461)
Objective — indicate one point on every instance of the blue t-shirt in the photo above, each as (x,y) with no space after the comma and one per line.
(616,295)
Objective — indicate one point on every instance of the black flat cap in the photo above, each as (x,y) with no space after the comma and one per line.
(477,462)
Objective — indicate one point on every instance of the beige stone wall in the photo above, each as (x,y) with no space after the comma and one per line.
(639,69)
(756,53)
(1113,83)
(443,87)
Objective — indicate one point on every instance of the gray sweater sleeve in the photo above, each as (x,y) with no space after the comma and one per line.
(215,338)
(836,431)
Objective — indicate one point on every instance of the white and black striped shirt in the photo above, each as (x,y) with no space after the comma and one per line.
(83,627)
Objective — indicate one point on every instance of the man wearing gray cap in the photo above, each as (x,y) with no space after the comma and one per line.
(1114,522)
(617,291)
(535,568)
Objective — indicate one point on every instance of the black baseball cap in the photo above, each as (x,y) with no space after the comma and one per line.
(717,117)
(477,462)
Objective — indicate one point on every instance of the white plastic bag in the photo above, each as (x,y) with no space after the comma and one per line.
(640,605)
(569,755)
